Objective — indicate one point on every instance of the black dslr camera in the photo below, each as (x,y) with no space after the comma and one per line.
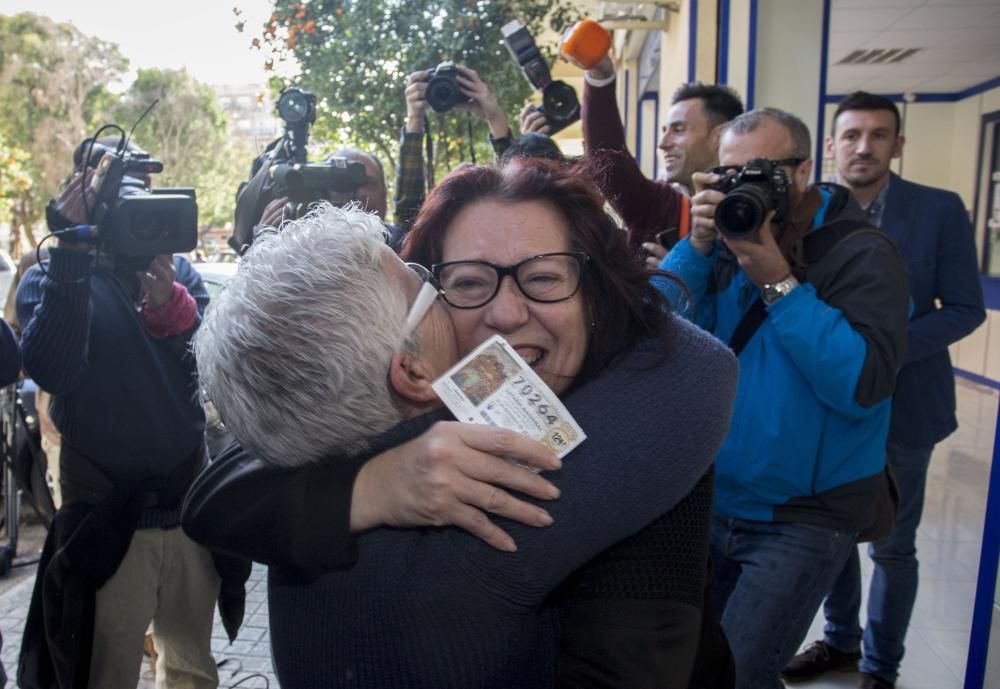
(751,192)
(131,220)
(443,91)
(560,105)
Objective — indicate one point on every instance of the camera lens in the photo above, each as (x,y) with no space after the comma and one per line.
(741,212)
(292,106)
(560,102)
(443,94)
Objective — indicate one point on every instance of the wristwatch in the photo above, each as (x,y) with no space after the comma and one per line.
(771,293)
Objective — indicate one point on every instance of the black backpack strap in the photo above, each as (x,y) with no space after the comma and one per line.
(748,325)
(816,245)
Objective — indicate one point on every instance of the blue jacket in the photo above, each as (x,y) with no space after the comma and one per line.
(807,441)
(934,236)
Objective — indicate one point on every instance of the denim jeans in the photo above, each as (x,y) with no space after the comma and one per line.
(894,581)
(770,579)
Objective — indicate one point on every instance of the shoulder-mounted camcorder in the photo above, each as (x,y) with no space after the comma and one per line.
(132,220)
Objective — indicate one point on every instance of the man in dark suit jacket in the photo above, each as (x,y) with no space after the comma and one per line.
(932,231)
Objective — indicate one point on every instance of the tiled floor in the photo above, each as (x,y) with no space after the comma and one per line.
(948,544)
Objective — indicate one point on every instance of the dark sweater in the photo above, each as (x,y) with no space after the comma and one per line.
(439,608)
(123,399)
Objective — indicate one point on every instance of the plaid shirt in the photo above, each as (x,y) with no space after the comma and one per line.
(410,183)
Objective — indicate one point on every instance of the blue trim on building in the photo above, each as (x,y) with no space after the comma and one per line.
(953,97)
(722,67)
(752,56)
(982,610)
(821,114)
(693,40)
(977,379)
(991,291)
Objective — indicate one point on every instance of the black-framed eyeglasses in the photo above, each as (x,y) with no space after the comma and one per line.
(791,162)
(546,278)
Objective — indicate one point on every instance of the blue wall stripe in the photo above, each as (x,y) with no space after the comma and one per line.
(722,68)
(821,115)
(952,97)
(752,56)
(982,611)
(693,40)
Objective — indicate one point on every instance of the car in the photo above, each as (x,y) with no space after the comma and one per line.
(215,274)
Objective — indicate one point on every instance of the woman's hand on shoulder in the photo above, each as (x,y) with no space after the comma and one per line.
(453,475)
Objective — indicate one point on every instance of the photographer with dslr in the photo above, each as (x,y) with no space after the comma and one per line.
(448,86)
(814,301)
(106,329)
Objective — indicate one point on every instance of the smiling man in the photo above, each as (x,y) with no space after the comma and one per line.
(690,144)
(934,236)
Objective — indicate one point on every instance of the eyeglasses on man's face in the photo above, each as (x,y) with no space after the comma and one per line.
(546,278)
(429,291)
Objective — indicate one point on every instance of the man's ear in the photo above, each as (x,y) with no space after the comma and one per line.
(715,136)
(828,147)
(411,378)
(898,148)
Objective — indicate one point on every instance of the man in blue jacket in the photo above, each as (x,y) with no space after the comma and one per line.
(932,230)
(799,472)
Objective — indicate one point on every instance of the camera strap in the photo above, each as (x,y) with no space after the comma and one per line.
(748,325)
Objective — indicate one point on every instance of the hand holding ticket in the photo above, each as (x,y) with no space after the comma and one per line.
(494,385)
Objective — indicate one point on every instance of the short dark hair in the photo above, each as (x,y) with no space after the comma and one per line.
(721,102)
(532,145)
(616,287)
(862,100)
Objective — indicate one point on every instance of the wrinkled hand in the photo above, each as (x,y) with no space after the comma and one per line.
(158,280)
(482,104)
(274,213)
(762,261)
(452,475)
(416,101)
(656,253)
(534,121)
(703,203)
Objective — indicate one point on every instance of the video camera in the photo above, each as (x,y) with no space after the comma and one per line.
(751,192)
(283,170)
(129,220)
(560,105)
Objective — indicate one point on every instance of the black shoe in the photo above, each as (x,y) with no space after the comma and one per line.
(817,658)
(870,681)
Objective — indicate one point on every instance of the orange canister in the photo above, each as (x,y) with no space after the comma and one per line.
(586,42)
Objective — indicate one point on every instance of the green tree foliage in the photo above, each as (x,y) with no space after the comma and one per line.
(188,131)
(356,54)
(53,89)
(15,180)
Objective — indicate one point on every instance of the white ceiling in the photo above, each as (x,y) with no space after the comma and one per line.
(959,42)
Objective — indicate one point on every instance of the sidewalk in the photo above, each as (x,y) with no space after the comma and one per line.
(240,661)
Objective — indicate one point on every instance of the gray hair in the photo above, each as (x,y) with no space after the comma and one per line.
(749,121)
(295,351)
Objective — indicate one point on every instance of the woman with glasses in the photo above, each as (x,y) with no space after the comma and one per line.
(528,253)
